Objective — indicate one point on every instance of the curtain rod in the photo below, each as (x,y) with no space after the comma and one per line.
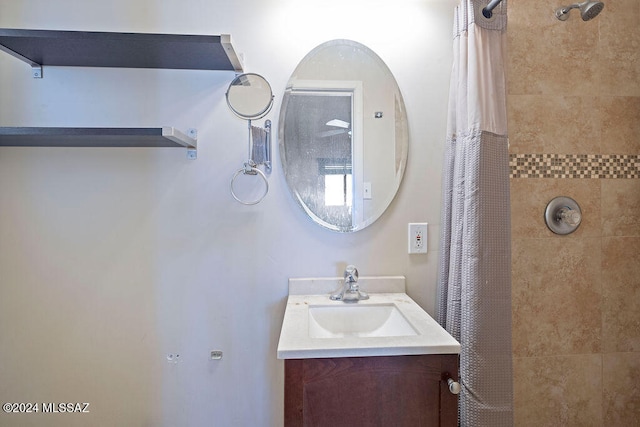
(488,10)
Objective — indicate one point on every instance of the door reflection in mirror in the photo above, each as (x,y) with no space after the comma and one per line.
(320,131)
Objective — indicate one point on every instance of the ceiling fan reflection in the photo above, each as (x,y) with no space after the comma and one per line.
(344,127)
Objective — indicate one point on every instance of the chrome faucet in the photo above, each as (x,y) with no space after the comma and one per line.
(350,290)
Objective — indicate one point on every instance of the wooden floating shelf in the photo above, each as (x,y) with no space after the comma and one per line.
(40,48)
(128,50)
(95,137)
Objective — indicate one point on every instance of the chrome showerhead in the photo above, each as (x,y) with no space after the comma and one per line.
(588,10)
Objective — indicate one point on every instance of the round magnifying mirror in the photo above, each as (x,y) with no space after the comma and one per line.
(249,96)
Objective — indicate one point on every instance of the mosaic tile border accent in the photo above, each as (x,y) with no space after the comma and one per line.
(593,166)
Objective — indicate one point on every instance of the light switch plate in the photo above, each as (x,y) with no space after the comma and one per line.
(367,191)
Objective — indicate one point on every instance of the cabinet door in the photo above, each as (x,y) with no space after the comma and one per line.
(370,391)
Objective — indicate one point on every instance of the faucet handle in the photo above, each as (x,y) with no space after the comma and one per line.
(351,273)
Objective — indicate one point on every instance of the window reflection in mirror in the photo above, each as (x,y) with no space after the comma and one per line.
(338,182)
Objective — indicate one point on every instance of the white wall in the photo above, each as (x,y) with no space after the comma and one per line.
(110,259)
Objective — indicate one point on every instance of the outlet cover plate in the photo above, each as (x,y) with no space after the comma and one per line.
(417,236)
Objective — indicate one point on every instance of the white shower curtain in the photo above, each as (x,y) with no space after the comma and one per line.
(474,278)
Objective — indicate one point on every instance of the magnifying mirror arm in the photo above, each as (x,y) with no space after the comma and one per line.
(267,150)
(260,145)
(250,145)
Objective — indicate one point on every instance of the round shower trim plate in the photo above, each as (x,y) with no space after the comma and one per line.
(551,215)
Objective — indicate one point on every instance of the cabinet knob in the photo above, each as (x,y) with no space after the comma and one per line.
(454,386)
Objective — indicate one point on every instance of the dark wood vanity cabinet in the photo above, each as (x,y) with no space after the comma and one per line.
(381,391)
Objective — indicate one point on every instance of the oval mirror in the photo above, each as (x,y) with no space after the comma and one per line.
(343,135)
(249,96)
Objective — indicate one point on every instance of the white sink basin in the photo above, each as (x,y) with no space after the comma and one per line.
(352,320)
(389,323)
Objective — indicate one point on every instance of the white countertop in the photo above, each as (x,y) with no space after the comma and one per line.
(295,342)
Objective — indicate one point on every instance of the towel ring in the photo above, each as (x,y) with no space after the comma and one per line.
(250,169)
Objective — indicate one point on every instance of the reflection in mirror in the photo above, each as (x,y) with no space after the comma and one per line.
(324,168)
(343,135)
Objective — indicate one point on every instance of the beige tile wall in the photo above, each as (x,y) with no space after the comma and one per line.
(574,88)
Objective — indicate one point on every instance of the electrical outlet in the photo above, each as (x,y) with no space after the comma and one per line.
(417,237)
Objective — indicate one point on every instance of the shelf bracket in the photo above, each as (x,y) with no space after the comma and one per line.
(192,152)
(225,41)
(35,67)
(189,141)
(36,71)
